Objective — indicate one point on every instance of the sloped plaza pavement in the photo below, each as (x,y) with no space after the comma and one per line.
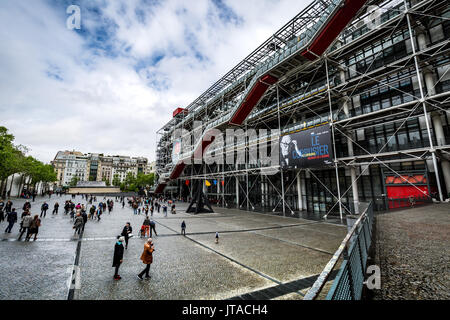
(259,256)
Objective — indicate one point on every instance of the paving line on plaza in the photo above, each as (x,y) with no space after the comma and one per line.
(75,280)
(241,230)
(295,244)
(165,235)
(235,261)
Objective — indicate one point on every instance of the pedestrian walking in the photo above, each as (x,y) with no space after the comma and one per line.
(24,214)
(183,228)
(217,237)
(165,210)
(118,257)
(34,228)
(78,224)
(44,209)
(147,259)
(8,206)
(11,217)
(85,219)
(146,225)
(55,208)
(126,233)
(152,228)
(99,213)
(2,212)
(26,224)
(26,206)
(91,212)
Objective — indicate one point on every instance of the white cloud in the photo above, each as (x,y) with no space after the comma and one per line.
(59,90)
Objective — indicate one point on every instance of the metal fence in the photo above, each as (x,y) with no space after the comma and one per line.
(354,249)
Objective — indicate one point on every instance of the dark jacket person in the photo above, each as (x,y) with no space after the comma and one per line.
(118,257)
(126,233)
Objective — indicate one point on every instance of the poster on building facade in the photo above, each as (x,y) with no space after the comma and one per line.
(311,148)
(176,151)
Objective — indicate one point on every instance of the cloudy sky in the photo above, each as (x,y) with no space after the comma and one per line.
(111,85)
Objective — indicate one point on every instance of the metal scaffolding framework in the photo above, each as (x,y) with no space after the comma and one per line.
(396,49)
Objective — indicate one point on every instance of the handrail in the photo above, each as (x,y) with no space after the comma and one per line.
(315,290)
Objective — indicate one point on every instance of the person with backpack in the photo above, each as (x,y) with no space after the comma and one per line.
(26,224)
(146,225)
(44,209)
(24,214)
(78,224)
(118,257)
(34,228)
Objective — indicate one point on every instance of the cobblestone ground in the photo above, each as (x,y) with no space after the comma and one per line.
(413,252)
(255,251)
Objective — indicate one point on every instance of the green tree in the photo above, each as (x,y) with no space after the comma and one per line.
(145,180)
(9,157)
(13,160)
(106,181)
(73,182)
(116,180)
(130,179)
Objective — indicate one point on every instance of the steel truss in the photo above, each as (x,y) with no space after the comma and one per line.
(281,115)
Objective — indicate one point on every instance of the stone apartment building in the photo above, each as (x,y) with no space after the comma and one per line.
(96,167)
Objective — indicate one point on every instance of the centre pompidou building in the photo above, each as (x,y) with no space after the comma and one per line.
(355,93)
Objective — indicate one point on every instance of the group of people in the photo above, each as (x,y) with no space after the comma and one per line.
(29,224)
(150,205)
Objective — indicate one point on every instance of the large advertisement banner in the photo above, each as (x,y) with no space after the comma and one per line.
(311,148)
(176,150)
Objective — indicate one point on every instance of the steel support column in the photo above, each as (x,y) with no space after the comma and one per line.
(422,97)
(281,169)
(334,142)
